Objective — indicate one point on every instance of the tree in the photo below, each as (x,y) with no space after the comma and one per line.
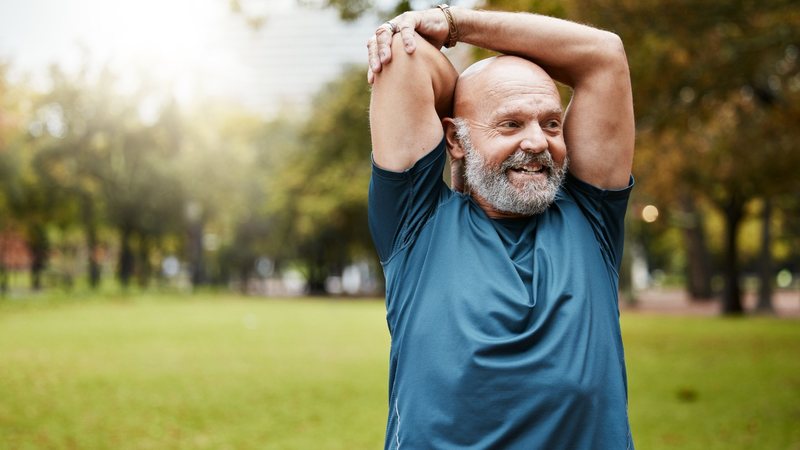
(319,196)
(32,202)
(226,156)
(110,163)
(12,118)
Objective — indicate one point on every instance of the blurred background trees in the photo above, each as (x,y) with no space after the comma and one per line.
(321,188)
(101,178)
(222,190)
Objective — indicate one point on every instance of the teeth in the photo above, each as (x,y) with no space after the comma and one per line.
(532,169)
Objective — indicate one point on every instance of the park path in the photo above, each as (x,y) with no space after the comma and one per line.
(676,302)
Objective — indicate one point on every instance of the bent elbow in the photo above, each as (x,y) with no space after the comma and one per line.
(613,42)
(613,49)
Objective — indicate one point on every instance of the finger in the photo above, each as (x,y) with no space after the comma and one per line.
(384,40)
(372,54)
(408,25)
(407,33)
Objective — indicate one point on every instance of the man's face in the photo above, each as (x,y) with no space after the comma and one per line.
(493,183)
(512,135)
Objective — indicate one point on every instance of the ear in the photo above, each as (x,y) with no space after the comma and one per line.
(453,144)
(456,155)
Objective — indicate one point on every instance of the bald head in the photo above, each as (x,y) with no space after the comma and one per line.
(497,77)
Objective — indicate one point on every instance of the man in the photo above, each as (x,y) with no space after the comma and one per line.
(501,299)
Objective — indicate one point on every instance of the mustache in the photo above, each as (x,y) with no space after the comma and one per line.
(521,158)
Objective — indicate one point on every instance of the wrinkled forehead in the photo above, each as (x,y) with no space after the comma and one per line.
(495,82)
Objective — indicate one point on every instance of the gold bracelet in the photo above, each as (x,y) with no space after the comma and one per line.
(452,37)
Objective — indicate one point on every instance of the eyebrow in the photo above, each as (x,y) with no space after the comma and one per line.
(506,111)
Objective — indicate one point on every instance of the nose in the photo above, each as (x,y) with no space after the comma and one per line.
(534,139)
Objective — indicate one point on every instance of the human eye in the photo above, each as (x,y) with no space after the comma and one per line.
(552,124)
(509,124)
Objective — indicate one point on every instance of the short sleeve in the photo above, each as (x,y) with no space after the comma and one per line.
(605,210)
(400,203)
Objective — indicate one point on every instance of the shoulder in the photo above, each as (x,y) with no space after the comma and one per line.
(410,95)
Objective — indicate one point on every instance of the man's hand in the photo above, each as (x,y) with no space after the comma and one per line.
(431,24)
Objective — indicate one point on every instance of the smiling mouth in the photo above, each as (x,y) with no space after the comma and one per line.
(530,169)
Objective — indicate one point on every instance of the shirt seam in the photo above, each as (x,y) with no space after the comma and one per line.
(599,193)
(429,158)
(397,428)
(430,219)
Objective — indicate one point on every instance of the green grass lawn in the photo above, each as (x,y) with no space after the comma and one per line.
(226,372)
(713,383)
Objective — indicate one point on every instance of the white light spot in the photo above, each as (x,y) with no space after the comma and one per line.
(784,278)
(650,214)
(170,266)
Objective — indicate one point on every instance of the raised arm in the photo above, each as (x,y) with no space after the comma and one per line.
(409,99)
(599,124)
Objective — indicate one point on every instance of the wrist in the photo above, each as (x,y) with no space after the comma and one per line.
(451,26)
(463,19)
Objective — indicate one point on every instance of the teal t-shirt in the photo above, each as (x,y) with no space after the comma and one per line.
(505,333)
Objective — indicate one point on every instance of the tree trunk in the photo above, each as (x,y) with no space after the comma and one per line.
(144,269)
(316,280)
(765,274)
(732,295)
(3,282)
(3,268)
(317,270)
(698,265)
(91,242)
(244,277)
(94,264)
(39,246)
(196,253)
(125,257)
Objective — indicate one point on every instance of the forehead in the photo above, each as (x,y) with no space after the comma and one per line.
(514,98)
(511,85)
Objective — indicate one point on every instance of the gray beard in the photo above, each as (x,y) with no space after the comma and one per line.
(492,183)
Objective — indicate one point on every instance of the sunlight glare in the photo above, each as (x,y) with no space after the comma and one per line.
(183,45)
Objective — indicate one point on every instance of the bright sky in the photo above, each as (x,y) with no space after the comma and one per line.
(193,46)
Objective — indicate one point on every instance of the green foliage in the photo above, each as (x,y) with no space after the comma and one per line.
(319,194)
(103,161)
(29,203)
(716,90)
(228,372)
(88,155)
(227,155)
(214,184)
(353,9)
(349,9)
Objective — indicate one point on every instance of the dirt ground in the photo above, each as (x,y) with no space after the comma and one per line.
(786,303)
